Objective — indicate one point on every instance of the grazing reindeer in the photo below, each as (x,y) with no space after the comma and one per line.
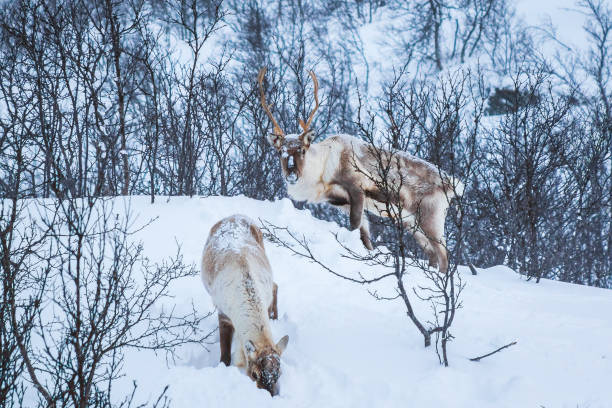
(342,170)
(237,274)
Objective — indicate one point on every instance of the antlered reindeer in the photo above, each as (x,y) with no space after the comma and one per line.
(237,274)
(343,171)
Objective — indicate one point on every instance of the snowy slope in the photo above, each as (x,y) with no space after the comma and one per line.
(348,350)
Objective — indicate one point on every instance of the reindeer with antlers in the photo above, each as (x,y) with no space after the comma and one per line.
(343,171)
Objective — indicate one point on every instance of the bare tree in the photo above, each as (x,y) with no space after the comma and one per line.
(523,173)
(394,252)
(598,65)
(23,270)
(438,32)
(100,296)
(194,22)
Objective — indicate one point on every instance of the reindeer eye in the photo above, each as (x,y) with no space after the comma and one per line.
(255,375)
(303,151)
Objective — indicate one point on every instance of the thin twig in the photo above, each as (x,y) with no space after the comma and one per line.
(493,352)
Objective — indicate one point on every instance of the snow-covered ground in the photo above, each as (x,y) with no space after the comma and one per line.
(347,349)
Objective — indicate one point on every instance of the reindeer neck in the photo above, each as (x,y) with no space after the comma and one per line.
(250,316)
(255,328)
(311,185)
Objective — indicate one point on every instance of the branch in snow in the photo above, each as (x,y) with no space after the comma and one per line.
(493,352)
(271,232)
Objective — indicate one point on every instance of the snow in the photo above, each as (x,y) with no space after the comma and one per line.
(347,349)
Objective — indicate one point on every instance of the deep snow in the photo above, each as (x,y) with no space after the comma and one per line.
(347,349)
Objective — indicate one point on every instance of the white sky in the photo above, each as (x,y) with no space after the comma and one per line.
(563,14)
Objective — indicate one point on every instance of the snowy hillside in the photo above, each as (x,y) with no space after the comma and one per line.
(347,349)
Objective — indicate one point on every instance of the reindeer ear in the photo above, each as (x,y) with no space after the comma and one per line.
(306,138)
(282,344)
(275,140)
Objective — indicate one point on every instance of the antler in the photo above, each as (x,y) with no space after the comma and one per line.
(277,130)
(306,125)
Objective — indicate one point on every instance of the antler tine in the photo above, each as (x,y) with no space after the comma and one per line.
(277,130)
(306,126)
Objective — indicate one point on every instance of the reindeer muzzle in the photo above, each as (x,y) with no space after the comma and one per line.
(291,178)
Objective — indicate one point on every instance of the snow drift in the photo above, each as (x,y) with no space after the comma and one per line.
(349,350)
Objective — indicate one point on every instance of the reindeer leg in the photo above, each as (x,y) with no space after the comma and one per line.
(273,308)
(226,333)
(353,206)
(425,244)
(442,257)
(364,228)
(364,232)
(356,201)
(413,225)
(433,211)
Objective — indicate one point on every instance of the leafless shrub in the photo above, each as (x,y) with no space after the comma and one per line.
(433,116)
(96,297)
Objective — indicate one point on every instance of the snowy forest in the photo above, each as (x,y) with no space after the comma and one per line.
(103,100)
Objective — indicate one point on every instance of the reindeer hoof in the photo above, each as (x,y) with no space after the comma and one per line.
(367,243)
(365,239)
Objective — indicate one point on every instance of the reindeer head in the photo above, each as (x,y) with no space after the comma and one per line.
(263,364)
(292,148)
